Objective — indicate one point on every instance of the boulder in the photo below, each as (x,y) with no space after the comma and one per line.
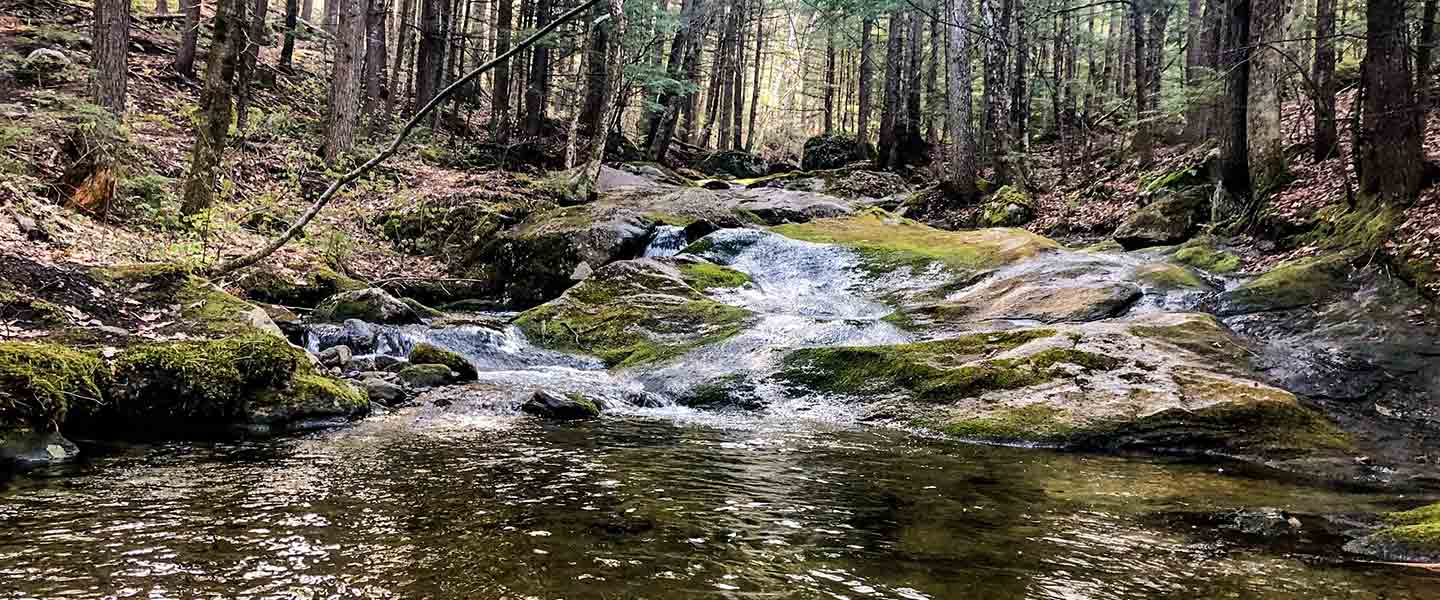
(358,335)
(631,312)
(430,354)
(420,377)
(830,152)
(552,405)
(858,183)
(335,356)
(383,392)
(372,305)
(1290,284)
(41,385)
(1411,536)
(1007,207)
(307,291)
(782,166)
(735,163)
(1171,219)
(27,448)
(42,66)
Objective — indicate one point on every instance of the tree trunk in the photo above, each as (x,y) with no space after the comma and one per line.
(829,81)
(111,35)
(755,84)
(592,112)
(1323,74)
(1270,24)
(185,54)
(1138,11)
(287,50)
(867,73)
(1019,109)
(1195,75)
(430,61)
(332,15)
(376,90)
(162,7)
(402,51)
(249,60)
(1234,151)
(609,83)
(345,78)
(962,153)
(933,97)
(894,59)
(995,22)
(308,11)
(683,51)
(913,69)
(215,106)
(1389,150)
(539,76)
(1422,61)
(738,103)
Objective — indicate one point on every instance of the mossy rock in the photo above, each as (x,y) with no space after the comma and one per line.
(1290,284)
(430,354)
(1171,219)
(1409,536)
(735,163)
(1202,254)
(246,380)
(27,310)
(566,407)
(830,152)
(1197,333)
(706,276)
(1007,207)
(205,309)
(372,305)
(1165,276)
(40,384)
(888,242)
(859,183)
(312,287)
(632,312)
(426,375)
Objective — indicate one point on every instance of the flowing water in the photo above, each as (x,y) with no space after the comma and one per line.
(802,498)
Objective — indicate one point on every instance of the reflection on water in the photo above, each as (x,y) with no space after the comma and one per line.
(471,503)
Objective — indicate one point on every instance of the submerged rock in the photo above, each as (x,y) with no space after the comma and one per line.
(631,312)
(372,305)
(551,405)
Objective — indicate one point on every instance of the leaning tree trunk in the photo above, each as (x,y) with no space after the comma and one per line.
(1270,25)
(185,54)
(962,140)
(1326,130)
(215,106)
(1389,150)
(111,37)
(345,79)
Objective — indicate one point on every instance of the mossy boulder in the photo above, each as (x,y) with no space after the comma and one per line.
(246,381)
(830,152)
(1007,207)
(888,242)
(204,310)
(1409,536)
(40,385)
(1170,219)
(704,276)
(1290,284)
(1165,277)
(372,305)
(860,183)
(308,290)
(426,376)
(1202,254)
(565,407)
(430,354)
(735,163)
(632,312)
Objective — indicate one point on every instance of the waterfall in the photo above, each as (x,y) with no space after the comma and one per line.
(667,241)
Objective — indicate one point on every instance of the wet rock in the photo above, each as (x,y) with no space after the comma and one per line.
(373,305)
(42,385)
(1072,288)
(335,356)
(715,184)
(27,448)
(735,163)
(1411,536)
(358,335)
(1267,522)
(420,377)
(775,207)
(1291,284)
(430,354)
(1169,220)
(631,312)
(782,166)
(552,405)
(388,363)
(732,391)
(307,291)
(829,152)
(383,392)
(654,173)
(644,399)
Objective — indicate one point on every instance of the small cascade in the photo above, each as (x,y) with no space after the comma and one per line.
(486,348)
(668,240)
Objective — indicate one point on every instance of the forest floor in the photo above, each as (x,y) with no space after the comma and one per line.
(275,169)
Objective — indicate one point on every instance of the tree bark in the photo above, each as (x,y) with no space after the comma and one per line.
(430,61)
(738,103)
(1270,25)
(376,91)
(215,106)
(332,15)
(614,69)
(185,54)
(539,76)
(345,79)
(755,85)
(249,61)
(962,153)
(402,51)
(162,7)
(829,81)
(894,59)
(1138,11)
(1422,61)
(996,21)
(308,11)
(287,49)
(592,111)
(867,74)
(1323,74)
(1389,149)
(913,69)
(111,35)
(1234,151)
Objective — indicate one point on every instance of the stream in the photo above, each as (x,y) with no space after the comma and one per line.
(802,497)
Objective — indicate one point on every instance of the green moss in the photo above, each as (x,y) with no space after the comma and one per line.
(705,276)
(26,309)
(1293,283)
(937,371)
(585,404)
(1200,334)
(430,354)
(1167,276)
(1341,228)
(890,242)
(1202,255)
(310,389)
(1032,422)
(420,308)
(1180,178)
(672,220)
(41,383)
(1417,529)
(202,379)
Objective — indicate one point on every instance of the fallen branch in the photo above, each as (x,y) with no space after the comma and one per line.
(299,225)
